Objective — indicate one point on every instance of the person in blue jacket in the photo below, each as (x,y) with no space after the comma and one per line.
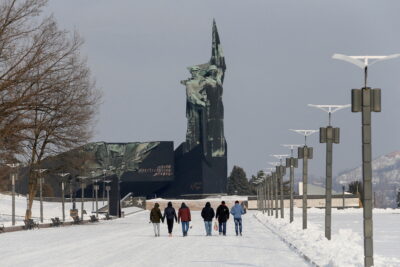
(237,211)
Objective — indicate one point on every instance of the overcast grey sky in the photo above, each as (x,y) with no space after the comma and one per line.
(278,56)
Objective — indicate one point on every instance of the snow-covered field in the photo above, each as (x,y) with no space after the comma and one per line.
(50,210)
(346,246)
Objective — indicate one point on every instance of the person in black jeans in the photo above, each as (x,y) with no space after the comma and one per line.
(170,214)
(222,215)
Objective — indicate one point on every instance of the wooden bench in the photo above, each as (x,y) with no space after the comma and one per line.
(30,224)
(93,219)
(77,220)
(56,222)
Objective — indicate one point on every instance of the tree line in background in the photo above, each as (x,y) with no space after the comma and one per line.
(48,99)
(239,184)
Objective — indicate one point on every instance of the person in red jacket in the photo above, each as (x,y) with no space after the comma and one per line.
(184,217)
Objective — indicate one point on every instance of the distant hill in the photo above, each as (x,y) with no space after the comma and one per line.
(385,178)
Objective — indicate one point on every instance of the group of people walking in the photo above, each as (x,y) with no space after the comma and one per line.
(184,217)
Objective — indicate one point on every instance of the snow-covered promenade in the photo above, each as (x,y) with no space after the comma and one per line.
(130,241)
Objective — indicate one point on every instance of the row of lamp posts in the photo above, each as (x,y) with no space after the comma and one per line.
(40,178)
(364,100)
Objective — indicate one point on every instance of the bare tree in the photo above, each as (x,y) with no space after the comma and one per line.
(47,98)
(61,118)
(22,43)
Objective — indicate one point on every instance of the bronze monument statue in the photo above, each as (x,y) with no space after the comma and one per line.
(201,161)
(204,107)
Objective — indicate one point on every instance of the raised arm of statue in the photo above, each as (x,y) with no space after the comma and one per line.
(195,93)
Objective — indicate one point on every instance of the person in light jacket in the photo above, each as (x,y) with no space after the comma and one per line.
(237,211)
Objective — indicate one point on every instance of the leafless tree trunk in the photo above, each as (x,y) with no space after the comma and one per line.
(47,98)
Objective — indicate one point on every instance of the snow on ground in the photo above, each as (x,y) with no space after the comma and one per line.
(130,241)
(50,210)
(131,210)
(346,246)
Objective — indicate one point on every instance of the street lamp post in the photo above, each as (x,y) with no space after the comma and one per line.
(120,171)
(93,173)
(82,180)
(258,196)
(329,135)
(96,191)
(305,153)
(271,204)
(269,181)
(104,184)
(275,182)
(343,203)
(108,188)
(271,190)
(70,193)
(281,171)
(258,184)
(40,171)
(266,186)
(14,176)
(275,187)
(262,196)
(63,194)
(291,163)
(366,100)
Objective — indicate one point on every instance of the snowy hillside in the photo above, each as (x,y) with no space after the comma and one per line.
(385,178)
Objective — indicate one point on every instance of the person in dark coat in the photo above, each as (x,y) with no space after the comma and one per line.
(185,218)
(170,215)
(208,214)
(223,216)
(155,218)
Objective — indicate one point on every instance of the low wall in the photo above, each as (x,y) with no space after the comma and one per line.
(314,202)
(193,204)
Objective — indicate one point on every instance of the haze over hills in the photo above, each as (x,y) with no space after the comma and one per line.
(385,179)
